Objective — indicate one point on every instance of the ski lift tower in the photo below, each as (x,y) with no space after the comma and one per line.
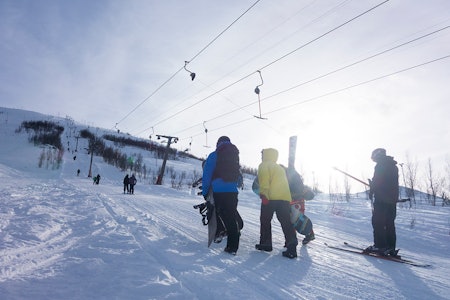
(166,155)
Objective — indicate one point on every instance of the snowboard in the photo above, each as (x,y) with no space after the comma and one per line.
(212,220)
(301,222)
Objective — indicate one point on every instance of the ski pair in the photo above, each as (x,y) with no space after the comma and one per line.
(358,250)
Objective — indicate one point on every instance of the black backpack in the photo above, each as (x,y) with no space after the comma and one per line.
(298,189)
(227,164)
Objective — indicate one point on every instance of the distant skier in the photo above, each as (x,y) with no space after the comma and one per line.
(96,179)
(133,182)
(126,184)
(384,191)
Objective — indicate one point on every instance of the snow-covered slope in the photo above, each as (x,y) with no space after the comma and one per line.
(61,237)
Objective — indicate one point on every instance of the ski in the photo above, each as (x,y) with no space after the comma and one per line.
(358,250)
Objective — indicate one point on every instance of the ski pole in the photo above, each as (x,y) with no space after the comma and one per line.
(345,173)
(365,183)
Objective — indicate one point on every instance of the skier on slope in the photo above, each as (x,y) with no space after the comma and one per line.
(384,191)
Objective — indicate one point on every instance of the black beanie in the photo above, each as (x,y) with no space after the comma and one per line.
(223,139)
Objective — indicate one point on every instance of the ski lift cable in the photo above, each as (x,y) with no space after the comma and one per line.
(321,76)
(362,83)
(278,42)
(275,61)
(333,92)
(195,56)
(223,31)
(151,95)
(326,74)
(324,34)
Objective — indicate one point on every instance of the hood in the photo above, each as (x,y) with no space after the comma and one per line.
(270,155)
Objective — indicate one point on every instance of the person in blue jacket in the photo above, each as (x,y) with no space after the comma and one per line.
(221,175)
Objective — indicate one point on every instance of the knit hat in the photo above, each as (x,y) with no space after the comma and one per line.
(377,153)
(222,139)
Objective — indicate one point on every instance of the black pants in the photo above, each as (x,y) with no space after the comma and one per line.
(283,210)
(226,205)
(383,223)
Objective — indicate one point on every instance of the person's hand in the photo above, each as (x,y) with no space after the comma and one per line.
(264,199)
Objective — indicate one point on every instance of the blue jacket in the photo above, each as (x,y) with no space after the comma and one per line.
(218,184)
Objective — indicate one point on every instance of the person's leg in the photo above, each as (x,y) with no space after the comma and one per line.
(378,224)
(226,204)
(265,218)
(391,237)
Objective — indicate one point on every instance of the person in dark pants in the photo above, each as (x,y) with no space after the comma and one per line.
(221,174)
(275,198)
(132,182)
(126,184)
(384,191)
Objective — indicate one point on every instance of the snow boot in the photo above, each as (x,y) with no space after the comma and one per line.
(291,252)
(229,250)
(219,237)
(308,238)
(262,247)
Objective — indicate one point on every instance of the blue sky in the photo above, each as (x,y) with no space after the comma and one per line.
(119,64)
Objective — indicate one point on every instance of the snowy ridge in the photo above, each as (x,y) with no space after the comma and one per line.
(61,237)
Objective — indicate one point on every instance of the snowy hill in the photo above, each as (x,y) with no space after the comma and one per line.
(61,237)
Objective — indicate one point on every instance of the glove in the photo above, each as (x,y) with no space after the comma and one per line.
(264,199)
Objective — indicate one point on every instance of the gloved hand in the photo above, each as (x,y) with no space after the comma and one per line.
(264,199)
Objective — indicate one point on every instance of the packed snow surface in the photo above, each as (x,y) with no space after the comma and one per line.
(61,237)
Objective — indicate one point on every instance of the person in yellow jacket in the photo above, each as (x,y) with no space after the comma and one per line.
(275,197)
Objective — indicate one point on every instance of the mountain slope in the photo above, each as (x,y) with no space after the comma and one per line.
(61,237)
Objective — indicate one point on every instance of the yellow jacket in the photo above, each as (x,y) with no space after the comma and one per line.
(272,178)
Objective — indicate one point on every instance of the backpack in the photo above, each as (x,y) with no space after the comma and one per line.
(296,186)
(227,164)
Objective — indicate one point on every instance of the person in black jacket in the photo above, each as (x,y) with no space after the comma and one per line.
(384,191)
(132,182)
(221,177)
(126,184)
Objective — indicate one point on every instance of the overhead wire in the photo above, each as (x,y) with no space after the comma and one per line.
(327,74)
(269,64)
(183,67)
(332,92)
(276,43)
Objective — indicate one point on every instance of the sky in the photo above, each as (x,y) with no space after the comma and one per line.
(345,77)
(61,237)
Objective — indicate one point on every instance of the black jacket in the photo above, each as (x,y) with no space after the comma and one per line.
(384,184)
